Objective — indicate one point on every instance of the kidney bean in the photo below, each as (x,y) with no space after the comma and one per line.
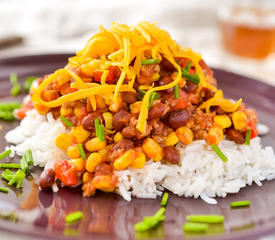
(129,97)
(88,121)
(235,136)
(166,65)
(121,119)
(120,147)
(171,155)
(46,178)
(190,87)
(164,81)
(177,119)
(206,93)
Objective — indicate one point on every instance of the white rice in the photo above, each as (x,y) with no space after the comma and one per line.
(201,173)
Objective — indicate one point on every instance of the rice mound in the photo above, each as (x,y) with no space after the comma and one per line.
(200,173)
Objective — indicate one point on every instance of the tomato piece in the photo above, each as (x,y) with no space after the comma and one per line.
(65,172)
(181,102)
(113,73)
(254,131)
(71,90)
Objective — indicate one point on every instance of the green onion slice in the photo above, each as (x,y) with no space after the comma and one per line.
(187,68)
(176,91)
(247,137)
(164,199)
(13,78)
(73,217)
(9,106)
(29,157)
(153,96)
(24,164)
(240,204)
(7,115)
(96,121)
(28,82)
(15,90)
(5,190)
(68,123)
(7,175)
(205,218)
(101,133)
(219,152)
(195,227)
(81,151)
(192,78)
(10,165)
(150,61)
(5,154)
(17,178)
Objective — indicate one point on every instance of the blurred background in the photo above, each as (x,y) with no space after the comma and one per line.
(235,35)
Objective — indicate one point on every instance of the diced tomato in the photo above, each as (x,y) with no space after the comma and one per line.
(65,172)
(183,61)
(181,102)
(113,73)
(254,131)
(71,90)
(21,113)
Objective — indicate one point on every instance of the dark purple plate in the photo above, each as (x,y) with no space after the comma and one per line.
(108,216)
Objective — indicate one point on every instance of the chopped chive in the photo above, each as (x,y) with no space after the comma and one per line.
(150,222)
(192,78)
(247,137)
(29,157)
(150,61)
(101,133)
(68,123)
(9,106)
(13,78)
(28,82)
(240,204)
(5,190)
(81,151)
(96,121)
(73,217)
(10,165)
(176,91)
(187,68)
(195,227)
(7,115)
(15,90)
(7,175)
(219,152)
(153,96)
(5,154)
(142,93)
(24,164)
(164,199)
(205,218)
(17,178)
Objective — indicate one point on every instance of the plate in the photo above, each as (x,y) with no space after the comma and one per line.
(108,216)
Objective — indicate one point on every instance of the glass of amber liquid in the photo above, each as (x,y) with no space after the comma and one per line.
(248,27)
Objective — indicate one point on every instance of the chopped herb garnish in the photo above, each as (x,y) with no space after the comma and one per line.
(96,121)
(192,78)
(9,106)
(240,204)
(5,154)
(247,137)
(219,152)
(101,133)
(176,91)
(205,218)
(68,123)
(28,82)
(81,151)
(142,93)
(5,190)
(151,221)
(7,115)
(164,199)
(195,227)
(15,90)
(150,61)
(24,164)
(153,96)
(7,175)
(17,178)
(74,217)
(10,165)
(29,157)
(187,68)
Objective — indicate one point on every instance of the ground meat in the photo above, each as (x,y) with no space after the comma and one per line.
(88,189)
(171,155)
(129,132)
(129,97)
(164,80)
(206,94)
(121,119)
(120,147)
(234,135)
(146,74)
(190,87)
(177,119)
(219,110)
(103,169)
(158,127)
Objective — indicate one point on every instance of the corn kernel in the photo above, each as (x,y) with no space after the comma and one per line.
(63,141)
(152,149)
(79,134)
(92,161)
(239,120)
(100,102)
(171,139)
(104,153)
(223,121)
(65,111)
(135,107)
(215,135)
(117,137)
(108,118)
(115,106)
(139,160)
(125,160)
(185,135)
(78,164)
(80,111)
(73,152)
(105,183)
(95,145)
(87,177)
(41,108)
(155,77)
